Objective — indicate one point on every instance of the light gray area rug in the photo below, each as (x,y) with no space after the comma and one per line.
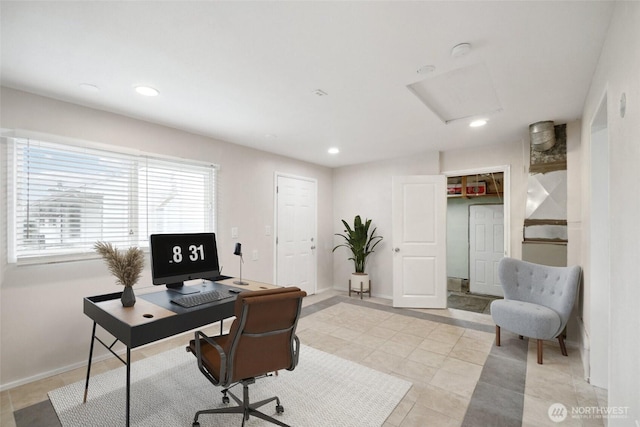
(168,389)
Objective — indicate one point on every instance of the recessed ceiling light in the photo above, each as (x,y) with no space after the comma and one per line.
(89,87)
(478,123)
(270,136)
(147,91)
(333,150)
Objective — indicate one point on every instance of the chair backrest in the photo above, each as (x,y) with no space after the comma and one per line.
(262,336)
(553,287)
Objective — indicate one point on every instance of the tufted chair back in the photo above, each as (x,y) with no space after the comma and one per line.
(552,287)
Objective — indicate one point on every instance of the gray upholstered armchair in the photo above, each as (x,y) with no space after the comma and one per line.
(538,300)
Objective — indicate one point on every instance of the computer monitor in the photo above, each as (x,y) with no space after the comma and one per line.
(179,257)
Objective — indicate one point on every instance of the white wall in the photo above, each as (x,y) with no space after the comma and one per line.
(43,328)
(365,190)
(575,326)
(574,192)
(617,73)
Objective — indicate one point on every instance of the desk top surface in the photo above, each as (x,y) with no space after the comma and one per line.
(153,306)
(142,312)
(251,285)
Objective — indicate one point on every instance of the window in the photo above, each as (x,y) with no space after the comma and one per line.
(62,198)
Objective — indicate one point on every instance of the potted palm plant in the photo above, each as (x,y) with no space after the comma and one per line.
(361,242)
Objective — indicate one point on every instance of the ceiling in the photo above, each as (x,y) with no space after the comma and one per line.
(248,72)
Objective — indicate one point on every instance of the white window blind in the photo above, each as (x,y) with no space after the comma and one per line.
(67,197)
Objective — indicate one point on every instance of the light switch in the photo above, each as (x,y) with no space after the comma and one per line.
(234,232)
(267,230)
(254,255)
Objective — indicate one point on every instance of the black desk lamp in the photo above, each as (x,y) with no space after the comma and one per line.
(238,251)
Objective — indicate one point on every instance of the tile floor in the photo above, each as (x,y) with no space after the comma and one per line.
(446,354)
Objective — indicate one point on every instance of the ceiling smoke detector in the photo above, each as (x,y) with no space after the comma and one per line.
(460,50)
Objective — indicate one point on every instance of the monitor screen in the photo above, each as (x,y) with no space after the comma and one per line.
(179,257)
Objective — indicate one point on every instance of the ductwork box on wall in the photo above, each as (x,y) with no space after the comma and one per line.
(542,135)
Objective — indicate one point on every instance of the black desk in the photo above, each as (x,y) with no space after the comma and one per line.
(153,318)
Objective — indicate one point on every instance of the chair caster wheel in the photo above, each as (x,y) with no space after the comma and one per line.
(195,424)
(279,409)
(225,399)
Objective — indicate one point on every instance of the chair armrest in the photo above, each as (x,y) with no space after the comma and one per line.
(296,352)
(223,358)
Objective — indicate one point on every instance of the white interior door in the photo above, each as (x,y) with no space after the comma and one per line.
(296,233)
(486,248)
(419,215)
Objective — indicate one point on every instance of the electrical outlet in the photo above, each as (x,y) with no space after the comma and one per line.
(267,230)
(254,255)
(234,232)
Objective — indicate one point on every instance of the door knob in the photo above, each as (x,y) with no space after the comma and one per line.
(396,250)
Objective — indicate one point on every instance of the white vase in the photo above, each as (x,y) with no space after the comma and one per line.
(360,282)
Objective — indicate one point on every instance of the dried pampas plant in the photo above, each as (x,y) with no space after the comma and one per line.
(126,266)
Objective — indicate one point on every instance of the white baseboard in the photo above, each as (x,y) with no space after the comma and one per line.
(583,347)
(43,375)
(323,290)
(83,364)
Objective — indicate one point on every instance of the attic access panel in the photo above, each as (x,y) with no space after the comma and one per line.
(458,94)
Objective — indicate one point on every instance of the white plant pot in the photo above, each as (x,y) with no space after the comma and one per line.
(357,279)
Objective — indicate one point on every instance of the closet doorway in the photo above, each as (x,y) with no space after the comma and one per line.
(477,236)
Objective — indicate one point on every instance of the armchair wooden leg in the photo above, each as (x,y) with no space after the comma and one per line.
(497,336)
(540,352)
(563,348)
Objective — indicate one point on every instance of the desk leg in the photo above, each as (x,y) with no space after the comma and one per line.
(86,385)
(128,383)
(221,322)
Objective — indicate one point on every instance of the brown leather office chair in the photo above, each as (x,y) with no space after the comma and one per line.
(261,340)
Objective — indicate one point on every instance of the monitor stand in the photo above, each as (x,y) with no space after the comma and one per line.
(181,289)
